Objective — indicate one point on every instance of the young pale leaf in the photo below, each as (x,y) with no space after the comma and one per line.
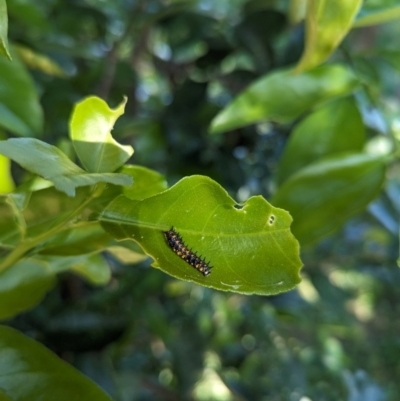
(146,182)
(376,16)
(327,23)
(3,30)
(6,182)
(29,371)
(250,246)
(23,286)
(333,128)
(323,195)
(20,110)
(52,164)
(297,11)
(283,96)
(90,130)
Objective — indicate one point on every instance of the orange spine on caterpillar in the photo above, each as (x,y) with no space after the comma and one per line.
(176,243)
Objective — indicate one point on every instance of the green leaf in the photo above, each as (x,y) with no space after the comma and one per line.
(9,231)
(46,211)
(94,269)
(20,110)
(126,255)
(3,30)
(392,56)
(48,206)
(6,183)
(29,371)
(23,286)
(81,240)
(39,61)
(4,397)
(323,195)
(327,23)
(333,128)
(377,16)
(297,11)
(53,165)
(91,266)
(249,245)
(30,14)
(43,210)
(146,182)
(283,96)
(90,130)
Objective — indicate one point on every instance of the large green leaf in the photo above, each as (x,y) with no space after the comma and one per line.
(323,195)
(250,245)
(29,371)
(23,286)
(283,96)
(90,130)
(333,128)
(4,29)
(20,110)
(52,164)
(327,23)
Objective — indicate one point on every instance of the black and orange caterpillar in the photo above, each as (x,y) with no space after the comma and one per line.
(176,243)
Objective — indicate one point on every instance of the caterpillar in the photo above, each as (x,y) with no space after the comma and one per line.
(176,243)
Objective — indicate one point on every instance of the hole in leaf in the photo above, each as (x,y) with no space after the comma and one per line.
(239,207)
(271,220)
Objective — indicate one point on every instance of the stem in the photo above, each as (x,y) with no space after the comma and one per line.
(30,243)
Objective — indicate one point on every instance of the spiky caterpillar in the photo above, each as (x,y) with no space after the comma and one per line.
(176,243)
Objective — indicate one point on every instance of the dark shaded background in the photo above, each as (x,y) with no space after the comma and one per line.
(146,336)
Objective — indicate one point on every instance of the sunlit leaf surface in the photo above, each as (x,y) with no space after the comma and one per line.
(90,130)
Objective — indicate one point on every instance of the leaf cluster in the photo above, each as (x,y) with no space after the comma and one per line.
(275,100)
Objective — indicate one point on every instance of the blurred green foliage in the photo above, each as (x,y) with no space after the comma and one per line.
(146,336)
